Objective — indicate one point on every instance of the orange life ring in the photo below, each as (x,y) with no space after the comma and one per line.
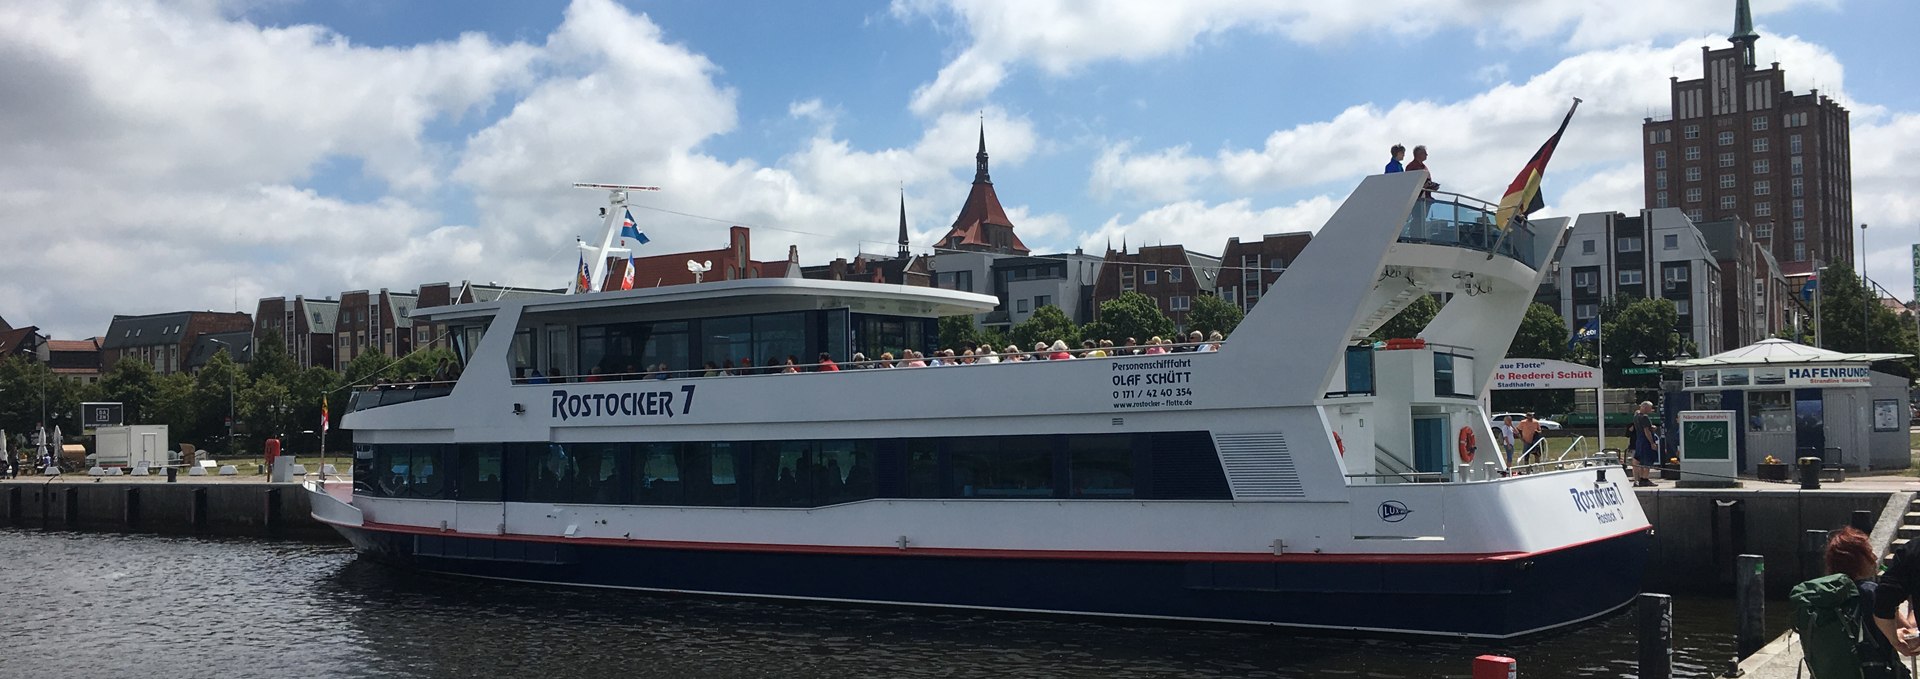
(1340,443)
(1466,444)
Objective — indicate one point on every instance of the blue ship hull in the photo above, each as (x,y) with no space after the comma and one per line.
(1492,597)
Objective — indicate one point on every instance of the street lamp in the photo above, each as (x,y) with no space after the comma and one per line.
(230,378)
(1866,301)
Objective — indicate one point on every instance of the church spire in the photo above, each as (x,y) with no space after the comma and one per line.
(980,159)
(1743,34)
(903,223)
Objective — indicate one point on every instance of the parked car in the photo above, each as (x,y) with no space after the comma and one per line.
(1500,425)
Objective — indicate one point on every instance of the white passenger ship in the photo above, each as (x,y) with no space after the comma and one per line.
(1297,476)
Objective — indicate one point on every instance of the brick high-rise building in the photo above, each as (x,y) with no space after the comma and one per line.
(1739,145)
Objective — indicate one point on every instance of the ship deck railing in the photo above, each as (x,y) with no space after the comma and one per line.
(1456,220)
(1172,349)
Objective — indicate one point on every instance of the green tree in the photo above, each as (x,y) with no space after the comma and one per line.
(1542,334)
(131,383)
(957,330)
(1212,314)
(1852,321)
(1410,321)
(1638,327)
(29,389)
(174,405)
(266,405)
(1130,315)
(270,357)
(216,396)
(368,368)
(1047,324)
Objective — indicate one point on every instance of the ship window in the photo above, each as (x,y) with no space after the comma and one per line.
(658,481)
(923,468)
(522,353)
(597,480)
(784,473)
(557,363)
(426,474)
(846,472)
(1442,374)
(1100,466)
(479,472)
(711,479)
(629,349)
(391,465)
(1360,370)
(1003,467)
(547,473)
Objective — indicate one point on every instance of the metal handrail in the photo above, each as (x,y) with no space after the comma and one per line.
(1400,475)
(1079,353)
(1575,463)
(1569,451)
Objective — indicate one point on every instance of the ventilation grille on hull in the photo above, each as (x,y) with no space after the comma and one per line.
(1259,466)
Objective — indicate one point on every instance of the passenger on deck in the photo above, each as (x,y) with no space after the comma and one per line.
(661,372)
(1090,349)
(1420,163)
(915,359)
(1213,341)
(1040,351)
(1132,348)
(594,375)
(1012,353)
(886,360)
(746,367)
(1393,163)
(712,370)
(1156,346)
(859,362)
(938,359)
(826,364)
(791,367)
(985,355)
(1059,351)
(1193,342)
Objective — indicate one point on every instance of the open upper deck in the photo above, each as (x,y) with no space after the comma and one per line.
(1451,219)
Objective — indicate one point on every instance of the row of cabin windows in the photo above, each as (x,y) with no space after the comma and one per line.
(807,473)
(686,346)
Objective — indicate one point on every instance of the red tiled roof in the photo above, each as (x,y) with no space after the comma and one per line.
(979,214)
(74,345)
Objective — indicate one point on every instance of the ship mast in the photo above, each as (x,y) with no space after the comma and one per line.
(611,223)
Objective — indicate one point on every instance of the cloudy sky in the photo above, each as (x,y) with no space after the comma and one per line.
(202,154)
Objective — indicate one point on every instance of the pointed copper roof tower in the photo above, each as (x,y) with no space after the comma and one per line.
(983,225)
(904,253)
(1743,35)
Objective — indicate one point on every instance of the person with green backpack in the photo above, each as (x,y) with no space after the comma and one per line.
(1835,615)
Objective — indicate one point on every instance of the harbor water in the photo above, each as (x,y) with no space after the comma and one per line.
(157,607)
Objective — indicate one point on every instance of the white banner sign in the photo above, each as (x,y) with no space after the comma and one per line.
(1542,373)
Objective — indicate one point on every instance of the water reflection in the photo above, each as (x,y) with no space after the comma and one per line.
(153,607)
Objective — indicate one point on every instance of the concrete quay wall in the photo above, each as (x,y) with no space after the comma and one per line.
(1699,532)
(269,510)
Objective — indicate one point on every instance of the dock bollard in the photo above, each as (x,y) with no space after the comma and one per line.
(1653,622)
(1495,667)
(1809,473)
(1813,553)
(1750,579)
(1862,521)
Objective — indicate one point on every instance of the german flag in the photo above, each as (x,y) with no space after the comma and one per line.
(1523,195)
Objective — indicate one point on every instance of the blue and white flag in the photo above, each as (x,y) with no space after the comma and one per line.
(1585,333)
(628,229)
(1806,291)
